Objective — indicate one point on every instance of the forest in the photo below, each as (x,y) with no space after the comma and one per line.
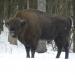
(8,8)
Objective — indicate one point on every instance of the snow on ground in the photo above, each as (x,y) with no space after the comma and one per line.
(13,60)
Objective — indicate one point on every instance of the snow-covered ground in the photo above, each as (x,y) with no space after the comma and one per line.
(13,60)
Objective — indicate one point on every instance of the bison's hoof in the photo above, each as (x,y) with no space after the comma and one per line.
(57,57)
(28,56)
(32,57)
(66,57)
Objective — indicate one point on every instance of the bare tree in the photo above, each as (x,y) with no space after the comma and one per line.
(42,44)
(73,3)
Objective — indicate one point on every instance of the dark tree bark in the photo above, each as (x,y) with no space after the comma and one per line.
(73,2)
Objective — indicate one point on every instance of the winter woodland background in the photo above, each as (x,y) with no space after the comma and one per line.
(12,57)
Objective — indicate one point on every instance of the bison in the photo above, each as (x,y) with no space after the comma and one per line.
(30,26)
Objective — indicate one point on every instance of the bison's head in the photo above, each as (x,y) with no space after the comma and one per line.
(15,25)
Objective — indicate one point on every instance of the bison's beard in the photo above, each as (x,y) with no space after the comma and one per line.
(12,39)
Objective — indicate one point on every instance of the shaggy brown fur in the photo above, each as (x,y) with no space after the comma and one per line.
(31,25)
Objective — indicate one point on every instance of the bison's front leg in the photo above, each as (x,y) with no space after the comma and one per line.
(34,47)
(27,51)
(32,53)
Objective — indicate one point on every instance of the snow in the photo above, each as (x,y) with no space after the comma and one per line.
(13,60)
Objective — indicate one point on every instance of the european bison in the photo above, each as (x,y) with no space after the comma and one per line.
(31,25)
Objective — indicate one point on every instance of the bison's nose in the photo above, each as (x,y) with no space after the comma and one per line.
(12,33)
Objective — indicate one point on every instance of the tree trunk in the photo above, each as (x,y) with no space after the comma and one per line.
(74,42)
(41,48)
(73,3)
(42,5)
(27,4)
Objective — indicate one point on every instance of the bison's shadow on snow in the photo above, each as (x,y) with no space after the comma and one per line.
(30,26)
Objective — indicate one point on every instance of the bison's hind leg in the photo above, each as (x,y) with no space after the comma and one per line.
(62,42)
(59,46)
(66,47)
